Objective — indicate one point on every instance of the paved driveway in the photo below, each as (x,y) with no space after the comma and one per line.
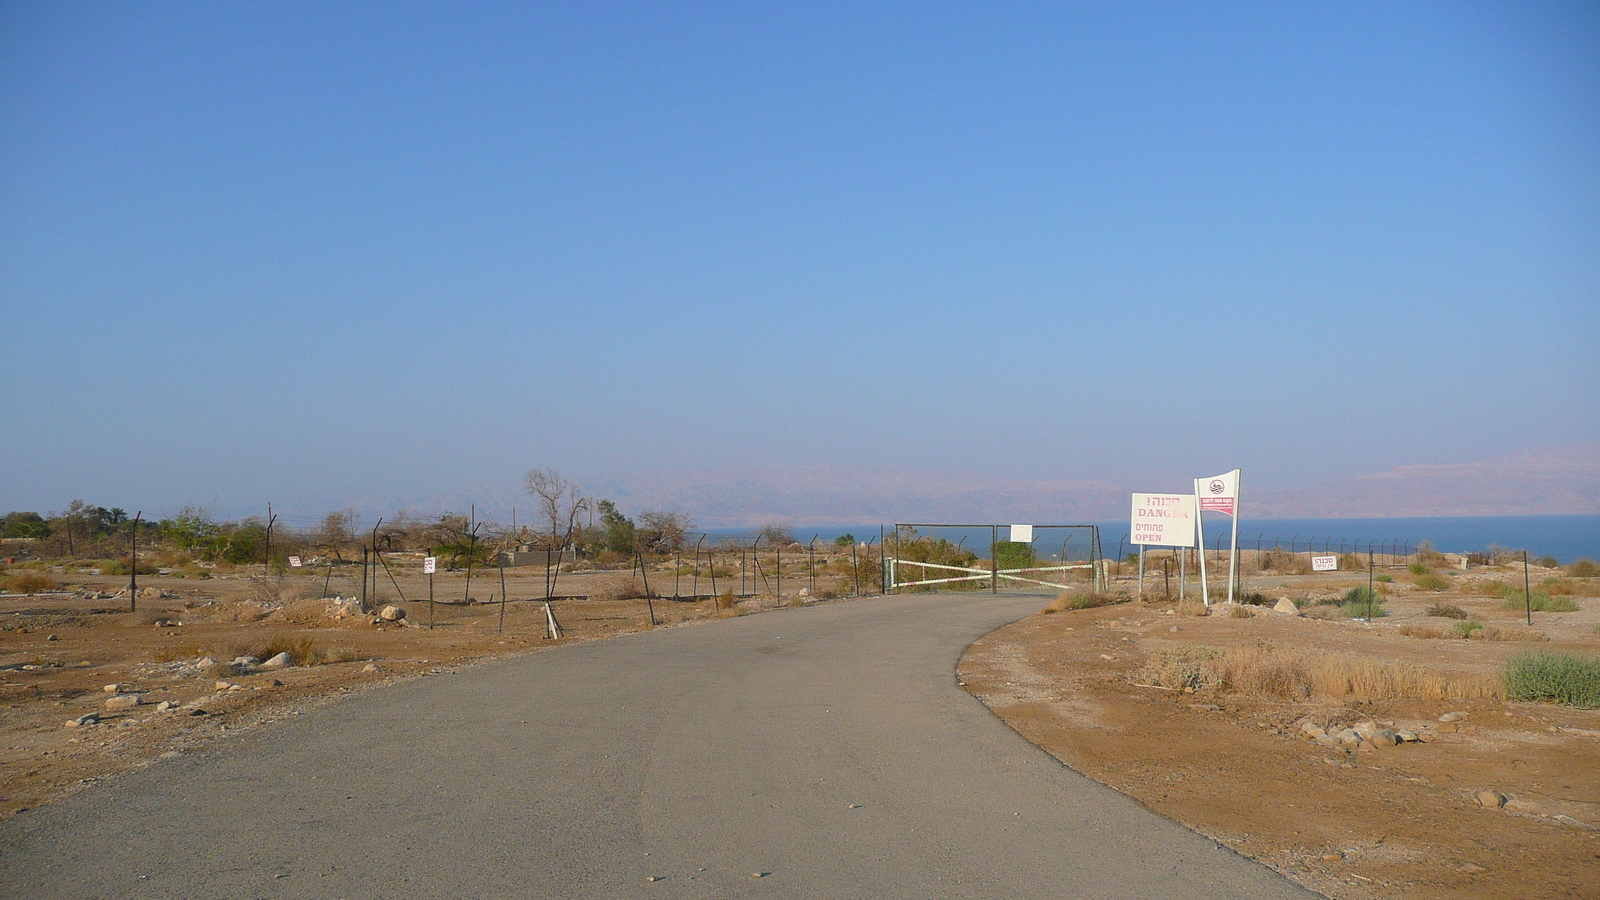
(827,750)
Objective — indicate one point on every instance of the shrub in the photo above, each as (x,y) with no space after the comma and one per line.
(1568,679)
(1192,608)
(1441,611)
(1254,599)
(1241,612)
(1383,578)
(1541,602)
(1583,568)
(1467,627)
(1432,581)
(1267,670)
(1360,602)
(1549,562)
(1417,568)
(29,583)
(1067,600)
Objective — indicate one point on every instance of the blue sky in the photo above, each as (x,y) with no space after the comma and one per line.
(317,252)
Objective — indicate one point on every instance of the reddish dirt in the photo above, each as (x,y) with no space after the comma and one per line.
(1349,823)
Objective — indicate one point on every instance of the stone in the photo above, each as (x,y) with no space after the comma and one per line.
(1348,736)
(1407,737)
(112,689)
(1384,737)
(1490,799)
(391,614)
(281,661)
(85,719)
(1452,717)
(1334,856)
(1286,606)
(246,662)
(1326,740)
(224,685)
(205,662)
(53,637)
(1310,727)
(370,667)
(166,706)
(123,701)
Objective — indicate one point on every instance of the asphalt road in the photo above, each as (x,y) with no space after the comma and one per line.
(827,750)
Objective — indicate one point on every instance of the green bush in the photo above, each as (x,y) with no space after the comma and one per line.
(1418,569)
(1467,627)
(1542,602)
(1360,602)
(1565,678)
(1383,578)
(1549,562)
(1439,610)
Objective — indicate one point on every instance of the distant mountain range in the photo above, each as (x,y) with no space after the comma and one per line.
(1556,481)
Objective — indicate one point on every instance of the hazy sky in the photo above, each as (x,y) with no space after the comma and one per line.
(314,252)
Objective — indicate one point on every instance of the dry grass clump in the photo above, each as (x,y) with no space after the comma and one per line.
(1433,581)
(1267,670)
(1584,568)
(1442,611)
(1492,633)
(1070,600)
(1241,612)
(1192,608)
(29,583)
(301,612)
(631,590)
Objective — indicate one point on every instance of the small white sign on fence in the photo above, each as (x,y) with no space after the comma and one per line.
(294,561)
(430,564)
(1022,534)
(1324,563)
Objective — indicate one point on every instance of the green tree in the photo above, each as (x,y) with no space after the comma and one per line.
(616,530)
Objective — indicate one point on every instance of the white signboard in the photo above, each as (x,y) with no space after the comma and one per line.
(294,561)
(1324,563)
(430,564)
(1022,534)
(1163,520)
(1219,494)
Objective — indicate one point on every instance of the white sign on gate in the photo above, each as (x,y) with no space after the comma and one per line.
(1324,563)
(430,564)
(294,561)
(1022,534)
(1163,520)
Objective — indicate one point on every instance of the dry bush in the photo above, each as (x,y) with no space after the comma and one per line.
(1271,671)
(726,601)
(338,655)
(1192,608)
(1424,631)
(1492,633)
(1241,612)
(1583,568)
(29,583)
(301,612)
(1442,611)
(630,590)
(1067,600)
(827,593)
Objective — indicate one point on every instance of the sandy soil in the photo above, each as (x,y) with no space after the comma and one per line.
(1350,823)
(59,652)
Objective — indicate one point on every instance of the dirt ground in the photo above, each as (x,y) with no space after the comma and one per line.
(61,652)
(1349,822)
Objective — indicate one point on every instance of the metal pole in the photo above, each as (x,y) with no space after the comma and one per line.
(1233,548)
(780,573)
(1200,530)
(677,570)
(266,558)
(1527,587)
(1141,571)
(133,563)
(1166,577)
(364,553)
(502,567)
(855,566)
(994,559)
(811,566)
(1372,593)
(430,594)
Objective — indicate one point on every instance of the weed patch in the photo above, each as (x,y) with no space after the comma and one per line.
(1441,611)
(1538,602)
(1568,679)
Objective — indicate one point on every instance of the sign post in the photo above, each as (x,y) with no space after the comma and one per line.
(430,564)
(1162,520)
(1219,494)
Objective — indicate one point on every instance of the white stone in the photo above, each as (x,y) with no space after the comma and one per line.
(1286,606)
(123,701)
(281,661)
